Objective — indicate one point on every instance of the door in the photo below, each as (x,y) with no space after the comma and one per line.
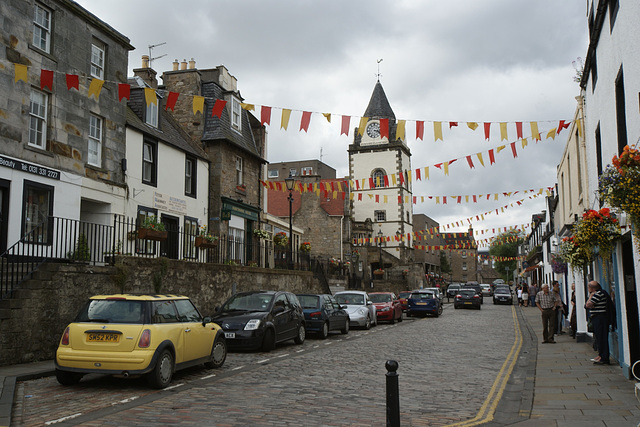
(339,316)
(283,318)
(169,247)
(629,286)
(198,339)
(4,214)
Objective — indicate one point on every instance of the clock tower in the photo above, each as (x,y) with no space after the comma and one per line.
(378,157)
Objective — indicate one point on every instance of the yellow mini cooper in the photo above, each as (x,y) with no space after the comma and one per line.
(133,335)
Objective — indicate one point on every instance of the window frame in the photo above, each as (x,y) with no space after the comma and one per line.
(151,113)
(145,246)
(272,175)
(375,173)
(306,170)
(96,139)
(39,28)
(46,237)
(236,114)
(190,181)
(101,48)
(189,244)
(40,119)
(153,164)
(239,170)
(293,171)
(378,214)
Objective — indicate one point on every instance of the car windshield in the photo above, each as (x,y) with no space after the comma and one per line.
(422,295)
(502,291)
(454,287)
(112,311)
(309,301)
(404,294)
(467,293)
(350,299)
(248,302)
(377,298)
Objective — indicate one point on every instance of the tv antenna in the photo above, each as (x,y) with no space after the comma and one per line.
(151,58)
(377,75)
(320,153)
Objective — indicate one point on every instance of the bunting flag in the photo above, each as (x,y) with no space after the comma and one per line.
(46,79)
(535,133)
(562,125)
(150,96)
(327,116)
(265,115)
(384,128)
(519,130)
(453,124)
(480,159)
(513,149)
(124,91)
(172,98)
(20,72)
(472,125)
(95,87)
(552,133)
(247,107)
(400,129)
(437,131)
(304,122)
(446,169)
(487,131)
(218,107)
(284,120)
(198,104)
(419,130)
(73,82)
(470,162)
(362,125)
(345,125)
(503,131)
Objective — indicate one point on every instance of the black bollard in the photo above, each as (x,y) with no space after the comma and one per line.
(393,395)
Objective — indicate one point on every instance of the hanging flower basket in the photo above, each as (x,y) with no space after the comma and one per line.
(202,242)
(305,247)
(281,239)
(150,234)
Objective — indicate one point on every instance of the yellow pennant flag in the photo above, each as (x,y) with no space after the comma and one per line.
(284,121)
(248,107)
(335,195)
(378,181)
(351,196)
(480,158)
(466,199)
(393,179)
(95,87)
(421,199)
(406,199)
(499,149)
(400,129)
(351,184)
(198,104)
(495,196)
(503,131)
(535,133)
(20,73)
(409,175)
(363,181)
(150,96)
(362,125)
(437,131)
(552,134)
(426,172)
(472,125)
(524,142)
(327,116)
(370,196)
(446,168)
(386,199)
(437,200)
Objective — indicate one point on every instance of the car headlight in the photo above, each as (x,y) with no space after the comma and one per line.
(362,311)
(252,325)
(385,309)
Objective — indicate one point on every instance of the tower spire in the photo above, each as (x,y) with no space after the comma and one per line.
(378,74)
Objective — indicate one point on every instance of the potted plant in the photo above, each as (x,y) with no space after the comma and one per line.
(152,229)
(260,233)
(378,272)
(305,247)
(205,239)
(281,239)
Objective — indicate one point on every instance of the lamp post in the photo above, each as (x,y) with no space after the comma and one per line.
(380,246)
(289,183)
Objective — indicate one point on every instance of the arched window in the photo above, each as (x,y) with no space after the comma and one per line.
(378,178)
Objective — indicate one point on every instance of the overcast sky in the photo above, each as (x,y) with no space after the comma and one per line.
(462,60)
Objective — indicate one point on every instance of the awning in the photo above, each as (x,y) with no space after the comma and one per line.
(533,267)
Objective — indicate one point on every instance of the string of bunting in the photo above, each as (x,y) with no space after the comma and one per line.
(95,86)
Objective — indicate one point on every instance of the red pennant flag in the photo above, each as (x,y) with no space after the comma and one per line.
(271,187)
(453,124)
(415,200)
(124,91)
(420,130)
(475,200)
(492,156)
(357,184)
(309,187)
(444,200)
(519,130)
(333,188)
(300,187)
(46,79)
(73,82)
(386,180)
(418,176)
(451,161)
(439,165)
(470,162)
(377,198)
(487,130)
(513,150)
(459,201)
(279,186)
(344,195)
(264,184)
(399,199)
(306,119)
(265,115)
(384,128)
(216,111)
(562,125)
(172,98)
(345,125)
(322,187)
(401,178)
(371,183)
(359,197)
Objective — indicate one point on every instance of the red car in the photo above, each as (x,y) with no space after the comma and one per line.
(403,297)
(388,308)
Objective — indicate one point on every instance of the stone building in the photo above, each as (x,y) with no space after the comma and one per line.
(281,170)
(61,150)
(462,255)
(426,230)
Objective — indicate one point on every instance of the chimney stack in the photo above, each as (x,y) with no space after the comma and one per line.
(145,61)
(192,64)
(176,64)
(146,73)
(183,64)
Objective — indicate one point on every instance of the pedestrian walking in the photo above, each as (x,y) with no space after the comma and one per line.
(525,296)
(559,308)
(546,302)
(533,291)
(573,320)
(599,317)
(519,294)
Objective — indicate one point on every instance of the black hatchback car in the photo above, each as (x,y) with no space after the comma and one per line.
(323,314)
(467,298)
(261,319)
(476,288)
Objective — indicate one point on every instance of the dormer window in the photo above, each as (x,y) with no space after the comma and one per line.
(151,115)
(236,114)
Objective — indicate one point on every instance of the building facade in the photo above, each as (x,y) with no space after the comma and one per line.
(281,170)
(426,229)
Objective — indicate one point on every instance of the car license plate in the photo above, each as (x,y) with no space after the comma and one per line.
(468,303)
(230,335)
(421,303)
(98,337)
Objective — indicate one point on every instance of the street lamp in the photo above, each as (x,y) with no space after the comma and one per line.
(380,246)
(289,183)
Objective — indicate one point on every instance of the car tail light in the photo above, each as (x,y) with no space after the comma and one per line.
(65,337)
(145,339)
(476,296)
(315,314)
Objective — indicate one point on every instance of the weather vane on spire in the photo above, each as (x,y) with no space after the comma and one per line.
(378,75)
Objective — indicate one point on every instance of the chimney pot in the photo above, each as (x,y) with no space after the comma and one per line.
(192,64)
(176,64)
(145,61)
(183,64)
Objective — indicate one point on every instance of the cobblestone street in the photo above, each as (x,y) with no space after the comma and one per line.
(447,368)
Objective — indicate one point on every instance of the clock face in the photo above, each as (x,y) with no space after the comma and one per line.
(373,130)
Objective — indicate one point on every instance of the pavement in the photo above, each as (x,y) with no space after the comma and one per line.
(557,384)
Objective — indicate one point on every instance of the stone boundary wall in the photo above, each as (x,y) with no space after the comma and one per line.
(32,322)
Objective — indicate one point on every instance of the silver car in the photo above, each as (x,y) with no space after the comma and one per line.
(436,292)
(362,312)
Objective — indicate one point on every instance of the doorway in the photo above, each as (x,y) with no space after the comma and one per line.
(631,300)
(4,214)
(170,247)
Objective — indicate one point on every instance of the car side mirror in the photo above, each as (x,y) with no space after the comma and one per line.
(342,307)
(206,320)
(369,303)
(277,310)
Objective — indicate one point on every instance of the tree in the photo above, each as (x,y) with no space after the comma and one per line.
(445,268)
(506,245)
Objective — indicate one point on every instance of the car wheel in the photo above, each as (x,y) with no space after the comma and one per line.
(302,333)
(324,332)
(218,354)
(161,375)
(455,307)
(367,322)
(68,378)
(269,340)
(345,330)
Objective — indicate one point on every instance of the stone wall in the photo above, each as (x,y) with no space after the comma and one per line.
(32,323)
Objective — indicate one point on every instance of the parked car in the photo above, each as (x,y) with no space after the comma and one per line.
(323,314)
(133,335)
(502,295)
(436,291)
(476,288)
(497,282)
(362,312)
(423,302)
(467,298)
(261,319)
(486,290)
(388,307)
(453,289)
(402,297)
